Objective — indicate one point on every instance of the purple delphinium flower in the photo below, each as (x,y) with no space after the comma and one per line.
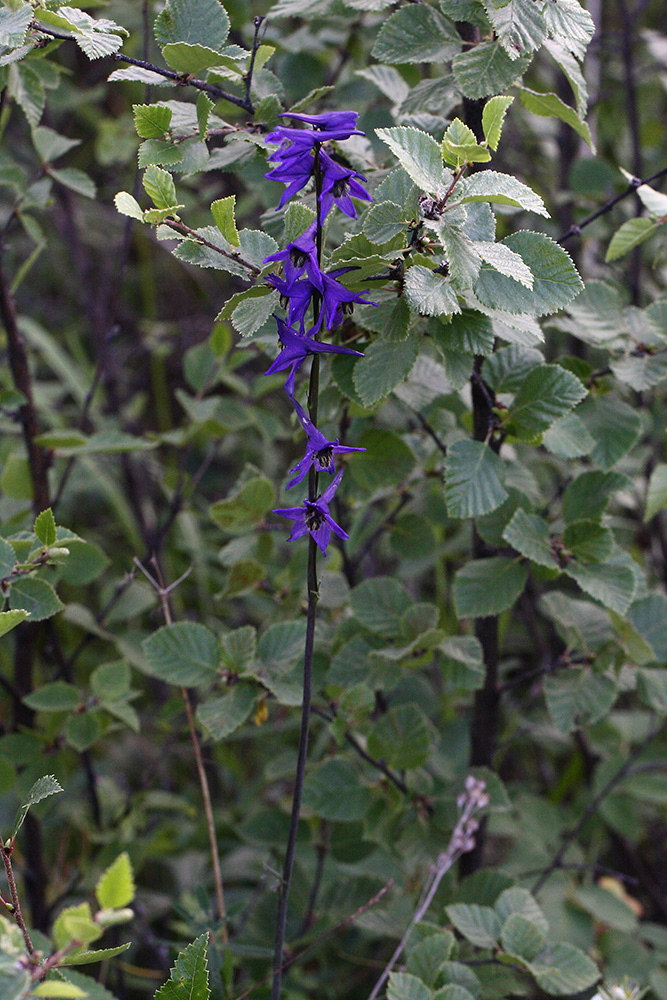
(295,168)
(319,450)
(337,300)
(296,348)
(313,517)
(329,126)
(339,185)
(295,296)
(300,257)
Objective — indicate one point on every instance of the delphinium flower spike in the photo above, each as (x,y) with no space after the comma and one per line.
(313,517)
(319,450)
(339,185)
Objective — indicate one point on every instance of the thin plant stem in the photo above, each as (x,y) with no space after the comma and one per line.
(163,593)
(16,905)
(313,596)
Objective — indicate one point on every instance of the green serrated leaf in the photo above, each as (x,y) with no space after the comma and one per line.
(55,697)
(487,69)
(493,117)
(530,535)
(127,204)
(428,293)
(204,108)
(223,716)
(37,597)
(474,477)
(45,528)
(419,155)
(115,888)
(159,186)
(414,35)
(223,212)
(562,969)
(546,394)
(384,366)
(151,120)
(10,619)
(488,586)
(244,506)
(502,189)
(185,653)
(459,146)
(196,22)
(551,106)
(479,924)
(519,25)
(630,235)
(42,789)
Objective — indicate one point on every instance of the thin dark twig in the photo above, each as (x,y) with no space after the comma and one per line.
(607,207)
(181,78)
(593,805)
(251,68)
(321,849)
(15,908)
(180,227)
(431,433)
(373,761)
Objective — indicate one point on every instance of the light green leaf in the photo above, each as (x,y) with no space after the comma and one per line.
(42,788)
(652,688)
(615,426)
(474,477)
(27,89)
(384,365)
(116,886)
(459,146)
(568,437)
(188,978)
(7,559)
(588,541)
(630,235)
(486,69)
(551,106)
(50,145)
(649,617)
(502,259)
(501,189)
(562,969)
(92,989)
(247,504)
(401,737)
(430,294)
(14,25)
(197,22)
(416,34)
(185,653)
(570,23)
(486,587)
(94,956)
(547,393)
(159,151)
(55,697)
(384,221)
(555,278)
(522,938)
(10,619)
(605,907)
(656,496)
(151,120)
(419,155)
(655,202)
(75,180)
(111,681)
(222,716)
(519,25)
(159,186)
(223,211)
(516,900)
(45,528)
(530,535)
(589,494)
(204,108)
(379,603)
(610,583)
(479,924)
(405,986)
(493,117)
(578,698)
(184,57)
(55,989)
(127,204)
(37,597)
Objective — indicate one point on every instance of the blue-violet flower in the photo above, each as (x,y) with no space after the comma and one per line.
(296,349)
(319,450)
(313,517)
(339,185)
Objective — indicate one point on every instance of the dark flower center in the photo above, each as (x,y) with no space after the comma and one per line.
(324,457)
(314,518)
(298,257)
(340,187)
(348,308)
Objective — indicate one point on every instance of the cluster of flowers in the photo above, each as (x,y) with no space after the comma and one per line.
(298,156)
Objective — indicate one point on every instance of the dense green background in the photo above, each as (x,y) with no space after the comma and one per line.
(543,667)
